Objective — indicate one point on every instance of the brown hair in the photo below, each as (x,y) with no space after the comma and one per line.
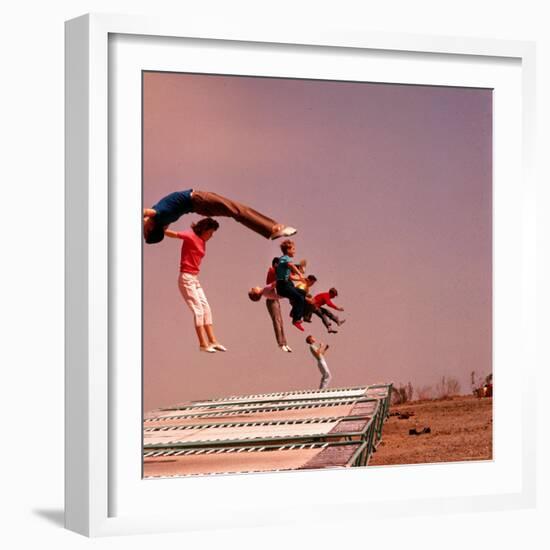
(204,225)
(254,296)
(333,292)
(308,339)
(286,245)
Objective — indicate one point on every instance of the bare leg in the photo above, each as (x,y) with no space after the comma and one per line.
(213,340)
(203,339)
(209,329)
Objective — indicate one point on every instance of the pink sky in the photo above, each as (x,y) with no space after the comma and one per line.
(390,189)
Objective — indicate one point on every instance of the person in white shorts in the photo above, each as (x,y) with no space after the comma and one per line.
(318,351)
(193,250)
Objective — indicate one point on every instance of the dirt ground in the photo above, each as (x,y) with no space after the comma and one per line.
(461,428)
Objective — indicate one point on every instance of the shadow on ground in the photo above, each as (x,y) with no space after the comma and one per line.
(57,517)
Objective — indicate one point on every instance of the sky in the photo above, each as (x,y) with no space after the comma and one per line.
(390,188)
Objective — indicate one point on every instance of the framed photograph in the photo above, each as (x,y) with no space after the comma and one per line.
(374,192)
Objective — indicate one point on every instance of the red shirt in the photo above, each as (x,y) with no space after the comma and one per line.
(193,250)
(323,298)
(271,276)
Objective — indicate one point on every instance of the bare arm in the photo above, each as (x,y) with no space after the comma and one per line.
(297,272)
(317,353)
(171,234)
(331,304)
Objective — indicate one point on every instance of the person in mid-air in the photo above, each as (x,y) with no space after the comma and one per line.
(269,292)
(193,250)
(318,351)
(171,207)
(325,298)
(285,287)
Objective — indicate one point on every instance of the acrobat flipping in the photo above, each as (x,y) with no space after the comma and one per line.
(272,303)
(171,207)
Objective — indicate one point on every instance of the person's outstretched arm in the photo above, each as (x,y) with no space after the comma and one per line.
(297,272)
(172,234)
(331,304)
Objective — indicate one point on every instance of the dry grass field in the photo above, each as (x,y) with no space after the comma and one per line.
(461,428)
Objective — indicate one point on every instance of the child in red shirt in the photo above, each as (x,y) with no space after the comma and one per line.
(325,298)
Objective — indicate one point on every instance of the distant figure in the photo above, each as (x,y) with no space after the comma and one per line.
(170,208)
(325,298)
(318,351)
(193,250)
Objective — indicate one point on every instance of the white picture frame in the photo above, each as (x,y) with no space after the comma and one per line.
(104,495)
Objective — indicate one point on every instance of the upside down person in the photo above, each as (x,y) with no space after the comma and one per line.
(269,292)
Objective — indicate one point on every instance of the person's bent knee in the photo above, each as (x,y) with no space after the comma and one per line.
(199,320)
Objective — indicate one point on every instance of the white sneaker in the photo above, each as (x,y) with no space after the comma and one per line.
(208,349)
(285,348)
(288,348)
(218,347)
(286,231)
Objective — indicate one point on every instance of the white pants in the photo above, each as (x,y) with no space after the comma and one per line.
(194,297)
(325,373)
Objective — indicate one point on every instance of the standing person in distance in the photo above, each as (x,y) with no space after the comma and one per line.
(318,351)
